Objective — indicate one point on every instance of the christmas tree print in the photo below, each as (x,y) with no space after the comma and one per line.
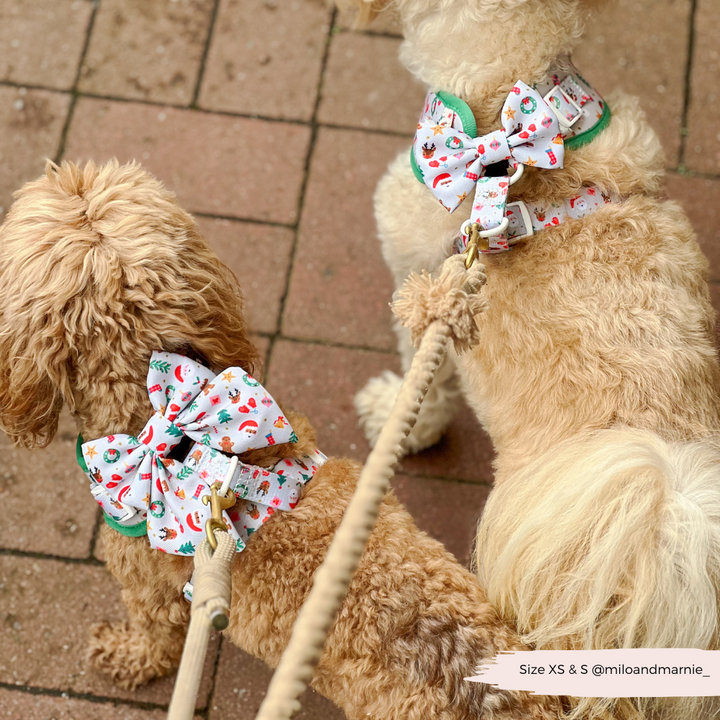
(163,367)
(224,416)
(174,430)
(187,548)
(293,437)
(206,439)
(132,440)
(185,473)
(193,405)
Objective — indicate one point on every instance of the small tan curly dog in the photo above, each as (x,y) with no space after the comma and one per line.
(596,375)
(99,267)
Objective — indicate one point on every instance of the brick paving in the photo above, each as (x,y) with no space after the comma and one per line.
(272,121)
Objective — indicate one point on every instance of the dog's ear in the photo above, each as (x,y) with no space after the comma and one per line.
(33,351)
(30,397)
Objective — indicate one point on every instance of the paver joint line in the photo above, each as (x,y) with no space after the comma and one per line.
(686,183)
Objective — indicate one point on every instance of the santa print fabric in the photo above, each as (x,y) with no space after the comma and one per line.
(135,481)
(452,162)
(537,124)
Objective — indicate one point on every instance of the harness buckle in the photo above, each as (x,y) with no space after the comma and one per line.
(520,225)
(568,112)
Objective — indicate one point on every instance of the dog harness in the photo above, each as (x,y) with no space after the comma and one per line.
(538,123)
(144,491)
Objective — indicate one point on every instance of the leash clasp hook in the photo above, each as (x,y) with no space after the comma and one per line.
(217,503)
(479,240)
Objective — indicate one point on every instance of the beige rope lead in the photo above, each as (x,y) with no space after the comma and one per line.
(211,603)
(436,309)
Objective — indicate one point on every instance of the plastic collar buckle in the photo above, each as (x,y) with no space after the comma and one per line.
(568,112)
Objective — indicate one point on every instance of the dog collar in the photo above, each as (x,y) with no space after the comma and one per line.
(143,490)
(449,157)
(580,109)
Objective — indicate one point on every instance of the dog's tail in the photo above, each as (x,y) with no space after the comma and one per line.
(609,542)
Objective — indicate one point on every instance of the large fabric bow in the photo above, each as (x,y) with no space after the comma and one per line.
(452,162)
(231,412)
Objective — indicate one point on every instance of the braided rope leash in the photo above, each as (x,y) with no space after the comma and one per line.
(436,310)
(210,609)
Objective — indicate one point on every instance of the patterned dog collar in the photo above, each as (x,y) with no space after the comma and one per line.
(580,109)
(524,221)
(143,490)
(537,124)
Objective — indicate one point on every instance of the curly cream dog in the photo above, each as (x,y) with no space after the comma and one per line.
(100,267)
(596,375)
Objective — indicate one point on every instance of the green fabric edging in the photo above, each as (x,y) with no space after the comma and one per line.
(462,109)
(589,135)
(79,456)
(466,117)
(130,531)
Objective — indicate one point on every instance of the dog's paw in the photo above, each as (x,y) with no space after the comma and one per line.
(127,656)
(375,402)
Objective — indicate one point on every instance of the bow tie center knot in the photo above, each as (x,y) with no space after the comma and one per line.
(160,435)
(493,148)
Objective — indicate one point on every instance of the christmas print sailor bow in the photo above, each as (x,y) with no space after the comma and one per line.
(231,412)
(452,162)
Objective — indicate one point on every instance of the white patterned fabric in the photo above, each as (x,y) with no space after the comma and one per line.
(441,143)
(565,76)
(540,216)
(134,480)
(452,162)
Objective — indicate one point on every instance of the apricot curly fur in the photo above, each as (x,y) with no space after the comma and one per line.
(100,267)
(597,376)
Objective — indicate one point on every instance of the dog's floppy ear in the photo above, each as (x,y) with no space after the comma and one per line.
(30,398)
(33,349)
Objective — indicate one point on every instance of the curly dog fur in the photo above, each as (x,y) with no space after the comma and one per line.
(596,375)
(100,267)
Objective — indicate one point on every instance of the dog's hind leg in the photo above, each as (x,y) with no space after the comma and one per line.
(375,401)
(150,643)
(410,246)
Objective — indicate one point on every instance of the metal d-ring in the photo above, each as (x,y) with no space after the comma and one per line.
(517,174)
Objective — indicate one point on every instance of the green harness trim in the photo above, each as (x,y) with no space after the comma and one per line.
(470,127)
(589,135)
(130,531)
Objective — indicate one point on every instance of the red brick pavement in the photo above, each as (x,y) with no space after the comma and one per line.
(271,121)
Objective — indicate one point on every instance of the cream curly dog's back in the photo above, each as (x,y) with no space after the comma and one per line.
(596,376)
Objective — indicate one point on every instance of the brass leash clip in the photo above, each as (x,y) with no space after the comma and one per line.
(217,503)
(474,246)
(479,240)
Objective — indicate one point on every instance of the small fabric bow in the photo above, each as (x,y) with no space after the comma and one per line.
(452,162)
(231,412)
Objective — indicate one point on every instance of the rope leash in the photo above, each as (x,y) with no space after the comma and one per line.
(436,310)
(210,608)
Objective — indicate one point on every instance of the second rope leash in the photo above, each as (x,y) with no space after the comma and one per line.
(435,310)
